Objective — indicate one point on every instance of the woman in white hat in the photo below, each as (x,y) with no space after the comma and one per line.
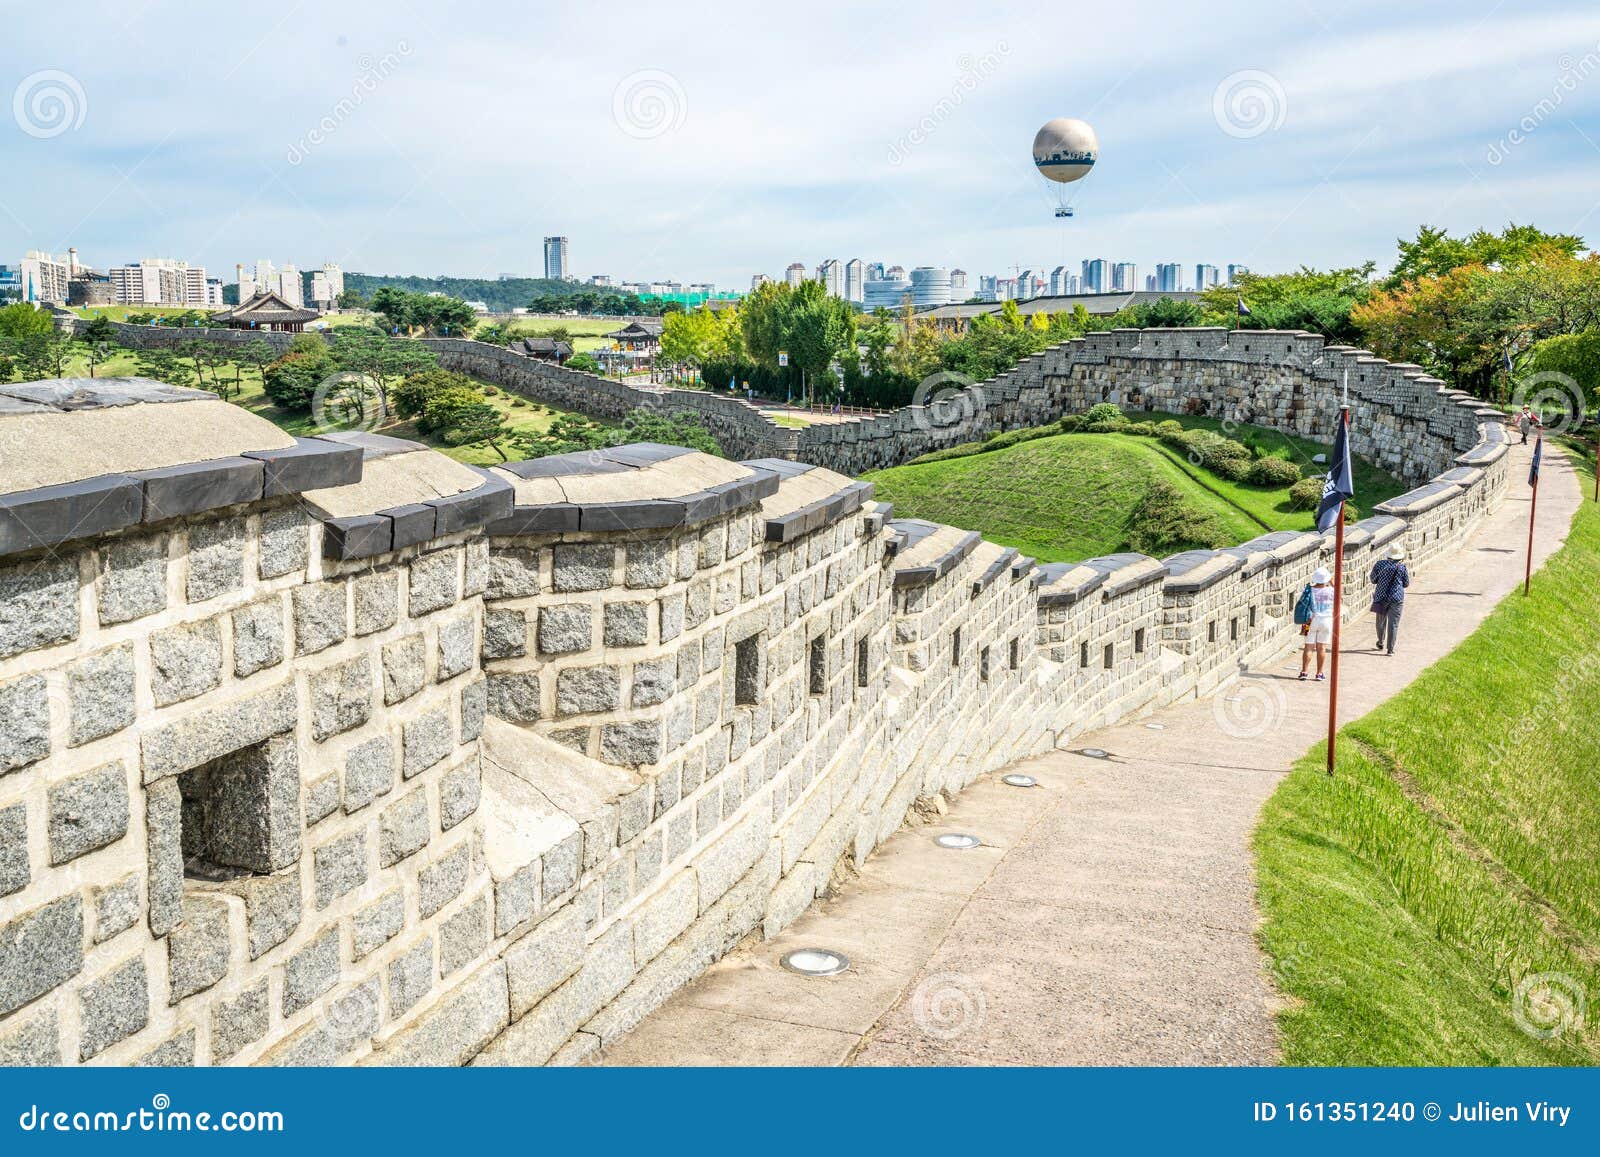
(1390,578)
(1319,631)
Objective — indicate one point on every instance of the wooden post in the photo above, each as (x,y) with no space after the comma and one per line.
(1533,505)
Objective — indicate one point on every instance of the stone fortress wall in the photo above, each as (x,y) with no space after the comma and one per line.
(329,750)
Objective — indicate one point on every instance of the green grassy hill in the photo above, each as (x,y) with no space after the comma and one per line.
(1438,903)
(1075,496)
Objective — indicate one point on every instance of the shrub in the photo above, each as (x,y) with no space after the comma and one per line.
(1102,412)
(1222,456)
(1070,424)
(411,397)
(1170,428)
(1305,494)
(291,381)
(1141,429)
(1165,521)
(1273,472)
(584,362)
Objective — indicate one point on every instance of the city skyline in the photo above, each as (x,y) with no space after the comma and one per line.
(934,144)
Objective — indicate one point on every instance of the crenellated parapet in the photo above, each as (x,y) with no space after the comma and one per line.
(333,750)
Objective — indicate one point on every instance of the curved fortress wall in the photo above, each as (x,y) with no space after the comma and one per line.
(301,762)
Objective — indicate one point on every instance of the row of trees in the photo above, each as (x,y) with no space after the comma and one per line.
(423,313)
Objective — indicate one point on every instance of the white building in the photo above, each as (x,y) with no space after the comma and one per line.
(930,285)
(557,266)
(44,276)
(1124,277)
(1205,277)
(758,280)
(855,278)
(885,293)
(1169,277)
(160,281)
(831,274)
(958,285)
(795,274)
(1059,281)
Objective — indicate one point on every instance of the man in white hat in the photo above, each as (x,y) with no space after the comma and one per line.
(1390,578)
(1319,631)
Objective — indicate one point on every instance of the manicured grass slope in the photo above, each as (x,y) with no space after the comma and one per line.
(1065,497)
(1456,853)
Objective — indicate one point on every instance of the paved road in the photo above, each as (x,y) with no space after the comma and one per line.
(1108,917)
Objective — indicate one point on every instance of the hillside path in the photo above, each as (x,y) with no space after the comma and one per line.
(1109,915)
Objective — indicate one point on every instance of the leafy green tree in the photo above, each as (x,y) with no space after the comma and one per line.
(257,353)
(45,355)
(164,366)
(1433,252)
(1318,301)
(380,358)
(412,394)
(98,329)
(585,362)
(21,320)
(1575,355)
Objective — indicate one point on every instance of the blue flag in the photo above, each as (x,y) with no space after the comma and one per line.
(1538,452)
(1341,482)
(1510,369)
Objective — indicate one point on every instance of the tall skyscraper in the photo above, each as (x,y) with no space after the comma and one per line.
(1169,277)
(795,274)
(556,264)
(854,280)
(1234,271)
(958,285)
(831,274)
(1058,281)
(1096,275)
(875,271)
(1125,277)
(44,277)
(159,281)
(758,280)
(1205,276)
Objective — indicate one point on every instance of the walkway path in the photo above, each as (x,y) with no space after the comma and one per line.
(1108,917)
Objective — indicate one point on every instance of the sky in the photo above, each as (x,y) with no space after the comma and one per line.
(712,142)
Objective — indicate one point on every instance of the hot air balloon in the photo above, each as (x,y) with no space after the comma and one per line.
(1064,151)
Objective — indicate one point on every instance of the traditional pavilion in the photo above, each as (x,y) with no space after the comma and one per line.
(266,310)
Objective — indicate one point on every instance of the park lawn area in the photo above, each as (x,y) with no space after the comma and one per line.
(1457,852)
(587,333)
(1271,507)
(1066,497)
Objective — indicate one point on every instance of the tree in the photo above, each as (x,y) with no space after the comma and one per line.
(45,355)
(98,329)
(1573,355)
(21,320)
(257,354)
(1318,301)
(460,416)
(412,395)
(352,299)
(97,354)
(380,358)
(1434,252)
(585,362)
(164,366)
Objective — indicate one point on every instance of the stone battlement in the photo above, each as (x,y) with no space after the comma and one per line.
(332,750)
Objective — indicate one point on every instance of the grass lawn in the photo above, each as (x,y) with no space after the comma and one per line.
(1406,901)
(1059,498)
(587,333)
(1071,496)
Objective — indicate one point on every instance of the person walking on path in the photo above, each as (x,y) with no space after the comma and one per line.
(1526,421)
(1319,628)
(1390,578)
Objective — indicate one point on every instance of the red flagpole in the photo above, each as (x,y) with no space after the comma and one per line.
(1338,604)
(1533,505)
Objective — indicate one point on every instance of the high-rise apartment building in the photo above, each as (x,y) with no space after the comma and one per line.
(1234,271)
(1124,277)
(795,274)
(556,264)
(43,277)
(758,280)
(1205,276)
(1096,275)
(1169,277)
(831,274)
(855,271)
(958,285)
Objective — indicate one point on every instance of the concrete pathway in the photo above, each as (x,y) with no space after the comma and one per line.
(1108,916)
